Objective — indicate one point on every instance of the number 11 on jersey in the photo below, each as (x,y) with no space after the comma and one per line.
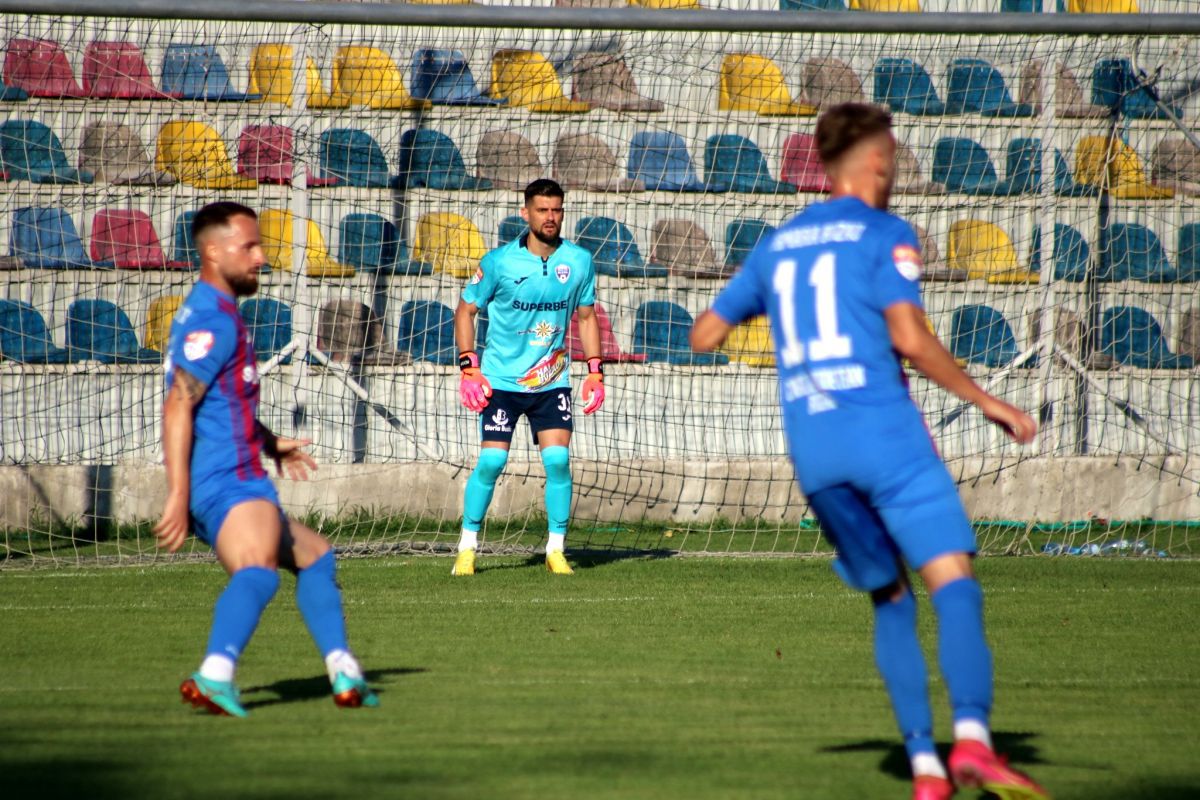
(828,342)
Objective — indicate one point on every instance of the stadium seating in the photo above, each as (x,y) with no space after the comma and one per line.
(1114,86)
(511,227)
(660,333)
(1134,253)
(750,343)
(1102,6)
(349,331)
(350,157)
(270,324)
(46,237)
(371,243)
(660,160)
(197,72)
(614,249)
(1064,181)
(979,334)
(525,78)
(113,153)
(451,243)
(158,321)
(368,76)
(1070,254)
(507,160)
(427,332)
(30,151)
(271,77)
(584,161)
(443,77)
(196,155)
(683,247)
(277,227)
(742,236)
(1176,165)
(812,5)
(908,174)
(24,337)
(11,94)
(750,82)
(266,153)
(975,86)
(828,81)
(117,70)
(40,68)
(184,248)
(99,331)
(885,5)
(1069,98)
(1189,252)
(610,349)
(1100,161)
(429,159)
(933,266)
(962,165)
(802,164)
(904,85)
(984,251)
(318,96)
(1132,336)
(127,239)
(603,80)
(733,163)
(1189,334)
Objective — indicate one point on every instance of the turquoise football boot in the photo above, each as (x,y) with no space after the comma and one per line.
(353,692)
(216,697)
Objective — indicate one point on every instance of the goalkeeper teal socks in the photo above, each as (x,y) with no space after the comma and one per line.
(482,485)
(320,604)
(238,609)
(902,666)
(557,461)
(963,653)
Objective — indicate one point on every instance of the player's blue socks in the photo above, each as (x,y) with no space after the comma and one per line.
(320,603)
(963,653)
(557,461)
(902,665)
(238,609)
(482,485)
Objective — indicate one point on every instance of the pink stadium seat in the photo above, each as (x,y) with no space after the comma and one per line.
(40,67)
(610,350)
(117,69)
(266,153)
(802,165)
(127,239)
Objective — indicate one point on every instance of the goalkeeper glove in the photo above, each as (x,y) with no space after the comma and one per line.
(593,387)
(473,389)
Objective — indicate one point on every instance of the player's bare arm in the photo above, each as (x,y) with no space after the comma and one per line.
(912,339)
(290,459)
(709,332)
(186,391)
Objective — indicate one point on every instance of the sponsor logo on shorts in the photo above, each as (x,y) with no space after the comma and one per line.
(197,344)
(907,260)
(500,422)
(563,273)
(545,372)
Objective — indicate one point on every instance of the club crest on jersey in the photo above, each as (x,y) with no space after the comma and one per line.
(197,344)
(545,372)
(907,261)
(563,272)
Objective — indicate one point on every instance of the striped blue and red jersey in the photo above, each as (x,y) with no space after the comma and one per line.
(211,342)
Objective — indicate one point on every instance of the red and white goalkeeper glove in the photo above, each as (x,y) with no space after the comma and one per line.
(473,389)
(593,387)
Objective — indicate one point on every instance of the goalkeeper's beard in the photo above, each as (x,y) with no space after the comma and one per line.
(243,285)
(542,237)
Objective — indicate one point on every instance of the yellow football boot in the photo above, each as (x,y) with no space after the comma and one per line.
(556,562)
(464,564)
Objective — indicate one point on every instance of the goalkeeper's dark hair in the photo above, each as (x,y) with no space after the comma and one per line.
(845,125)
(218,214)
(543,187)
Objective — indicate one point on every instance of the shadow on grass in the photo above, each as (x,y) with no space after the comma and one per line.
(68,777)
(299,690)
(579,559)
(894,760)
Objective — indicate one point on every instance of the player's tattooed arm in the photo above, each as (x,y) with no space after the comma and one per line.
(178,411)
(191,388)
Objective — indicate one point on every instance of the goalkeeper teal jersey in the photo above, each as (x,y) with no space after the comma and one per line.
(529,303)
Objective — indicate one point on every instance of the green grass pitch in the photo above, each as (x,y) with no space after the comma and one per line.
(637,678)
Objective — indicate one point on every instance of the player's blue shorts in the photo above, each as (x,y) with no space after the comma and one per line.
(210,509)
(545,411)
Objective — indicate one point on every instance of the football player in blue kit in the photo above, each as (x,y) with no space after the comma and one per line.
(840,284)
(530,287)
(217,487)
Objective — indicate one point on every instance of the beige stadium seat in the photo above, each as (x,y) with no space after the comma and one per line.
(683,247)
(604,80)
(908,174)
(116,155)
(349,331)
(934,267)
(508,160)
(1176,165)
(829,82)
(584,161)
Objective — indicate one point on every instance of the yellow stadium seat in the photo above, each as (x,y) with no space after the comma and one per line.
(526,78)
(276,228)
(885,5)
(271,73)
(666,3)
(449,242)
(1100,161)
(439,2)
(750,343)
(368,76)
(318,97)
(750,82)
(158,321)
(1102,7)
(985,251)
(195,154)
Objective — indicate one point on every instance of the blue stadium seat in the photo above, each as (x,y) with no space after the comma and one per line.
(660,332)
(12,94)
(812,5)
(370,242)
(741,236)
(1064,180)
(270,325)
(430,159)
(183,249)
(976,86)
(196,72)
(980,335)
(1132,336)
(1023,165)
(444,78)
(427,331)
(352,158)
(99,331)
(1116,87)
(47,238)
(964,166)
(1028,6)
(510,228)
(1070,254)
(904,85)
(734,163)
(1134,253)
(30,151)
(614,250)
(24,337)
(1189,252)
(660,160)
